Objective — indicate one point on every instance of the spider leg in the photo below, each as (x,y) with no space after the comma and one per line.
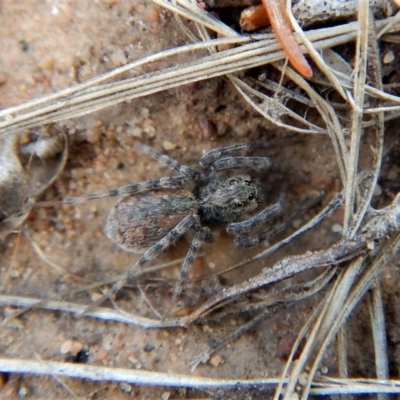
(209,158)
(168,161)
(213,155)
(245,241)
(169,182)
(239,228)
(202,235)
(151,253)
(241,162)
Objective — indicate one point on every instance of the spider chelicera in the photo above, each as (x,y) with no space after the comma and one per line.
(152,215)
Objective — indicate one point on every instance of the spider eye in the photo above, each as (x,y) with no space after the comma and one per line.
(239,203)
(247,183)
(232,182)
(251,196)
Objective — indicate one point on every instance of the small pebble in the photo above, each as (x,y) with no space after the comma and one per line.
(14,273)
(388,57)
(166,395)
(149,347)
(76,347)
(135,362)
(302,380)
(324,370)
(23,391)
(377,191)
(24,45)
(178,341)
(211,265)
(96,296)
(169,145)
(144,112)
(125,387)
(149,130)
(66,347)
(337,228)
(134,131)
(47,63)
(262,77)
(151,15)
(93,134)
(215,360)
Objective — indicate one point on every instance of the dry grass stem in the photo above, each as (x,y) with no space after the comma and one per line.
(342,352)
(322,388)
(375,305)
(96,94)
(79,309)
(360,74)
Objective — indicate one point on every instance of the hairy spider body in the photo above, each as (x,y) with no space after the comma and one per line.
(137,222)
(152,215)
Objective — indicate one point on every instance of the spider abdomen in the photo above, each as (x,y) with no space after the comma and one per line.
(137,222)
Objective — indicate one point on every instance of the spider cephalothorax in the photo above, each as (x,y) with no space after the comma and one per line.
(224,199)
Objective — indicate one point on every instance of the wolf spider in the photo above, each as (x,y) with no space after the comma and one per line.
(152,215)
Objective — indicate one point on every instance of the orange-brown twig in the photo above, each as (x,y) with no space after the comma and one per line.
(283,31)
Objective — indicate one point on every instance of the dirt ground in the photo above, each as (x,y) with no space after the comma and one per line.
(49,45)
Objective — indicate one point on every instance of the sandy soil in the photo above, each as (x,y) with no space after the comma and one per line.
(48,45)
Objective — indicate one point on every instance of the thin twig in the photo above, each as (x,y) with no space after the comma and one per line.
(342,352)
(375,76)
(377,315)
(106,314)
(139,377)
(360,76)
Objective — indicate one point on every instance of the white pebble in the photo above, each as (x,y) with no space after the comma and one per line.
(215,360)
(169,145)
(66,347)
(377,191)
(337,228)
(14,273)
(125,387)
(23,391)
(388,57)
(302,379)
